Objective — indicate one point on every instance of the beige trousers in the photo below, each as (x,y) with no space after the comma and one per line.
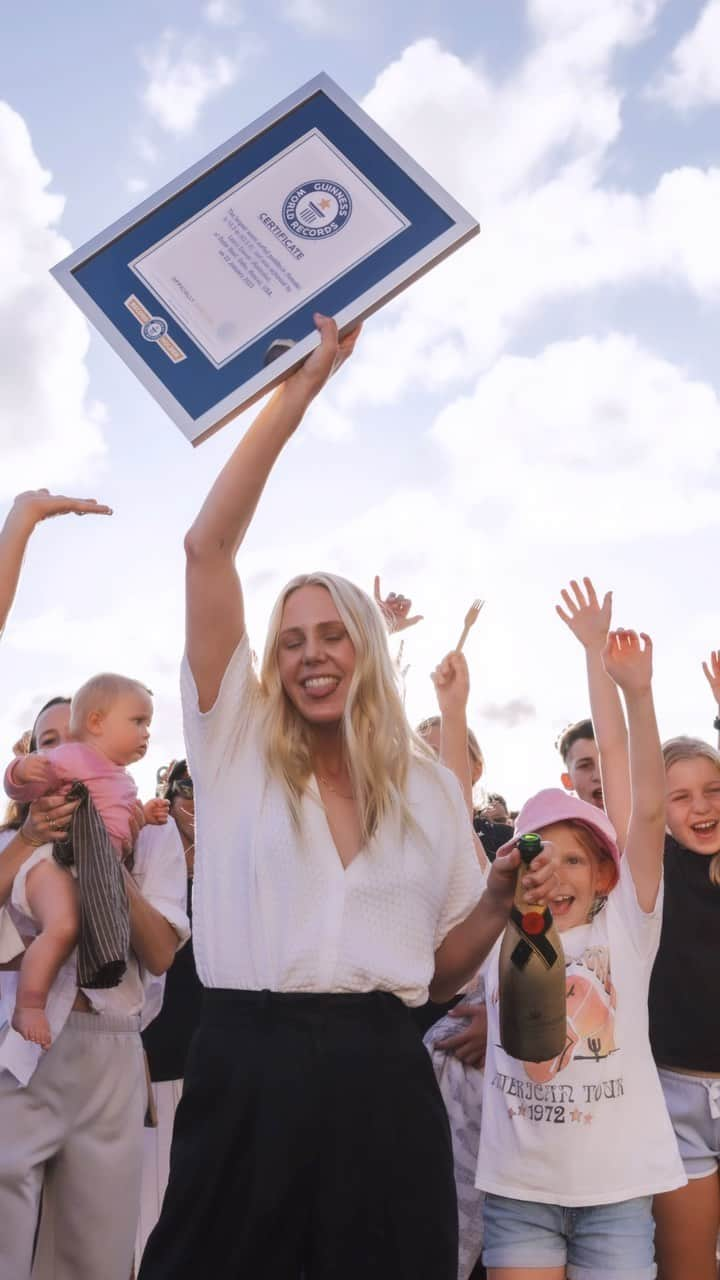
(74,1134)
(156,1161)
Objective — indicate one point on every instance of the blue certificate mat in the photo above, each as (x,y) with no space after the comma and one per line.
(207,290)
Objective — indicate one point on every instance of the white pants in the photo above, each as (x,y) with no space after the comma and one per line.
(156,1161)
(75,1134)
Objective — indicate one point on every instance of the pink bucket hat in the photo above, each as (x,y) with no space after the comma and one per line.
(554,805)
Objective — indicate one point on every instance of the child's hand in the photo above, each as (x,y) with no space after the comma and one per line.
(452,684)
(588,620)
(33,768)
(469,1043)
(628,661)
(712,674)
(156,811)
(395,610)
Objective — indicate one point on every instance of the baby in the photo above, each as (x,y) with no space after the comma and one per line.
(109,727)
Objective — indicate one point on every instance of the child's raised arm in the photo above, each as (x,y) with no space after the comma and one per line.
(589,622)
(452,687)
(27,510)
(27,778)
(627,658)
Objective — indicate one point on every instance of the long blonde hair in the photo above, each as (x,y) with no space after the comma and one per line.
(378,741)
(676,749)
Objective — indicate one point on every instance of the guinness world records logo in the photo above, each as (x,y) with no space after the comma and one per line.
(316,210)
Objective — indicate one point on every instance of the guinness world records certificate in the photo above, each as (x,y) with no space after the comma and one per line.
(207,290)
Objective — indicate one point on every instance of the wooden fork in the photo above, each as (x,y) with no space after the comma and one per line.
(471,618)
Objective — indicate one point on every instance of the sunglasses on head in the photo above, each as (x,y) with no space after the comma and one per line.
(183,787)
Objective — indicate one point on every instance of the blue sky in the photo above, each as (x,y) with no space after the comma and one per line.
(544,405)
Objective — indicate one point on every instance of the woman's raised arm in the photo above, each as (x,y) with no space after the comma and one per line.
(215,619)
(27,510)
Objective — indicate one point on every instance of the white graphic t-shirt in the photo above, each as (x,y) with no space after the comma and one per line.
(591,1126)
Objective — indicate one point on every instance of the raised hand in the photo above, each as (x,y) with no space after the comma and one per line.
(395,610)
(40,504)
(452,683)
(325,360)
(627,658)
(588,620)
(712,674)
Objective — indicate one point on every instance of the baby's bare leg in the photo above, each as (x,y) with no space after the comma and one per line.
(53,898)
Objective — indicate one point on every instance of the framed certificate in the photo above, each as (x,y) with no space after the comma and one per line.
(207,289)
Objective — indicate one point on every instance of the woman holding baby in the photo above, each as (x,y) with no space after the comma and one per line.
(71,1114)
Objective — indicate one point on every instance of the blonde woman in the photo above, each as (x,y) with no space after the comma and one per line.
(335,881)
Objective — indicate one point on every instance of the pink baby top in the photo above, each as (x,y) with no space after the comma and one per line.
(113,791)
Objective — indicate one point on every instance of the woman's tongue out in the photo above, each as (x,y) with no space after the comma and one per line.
(319,687)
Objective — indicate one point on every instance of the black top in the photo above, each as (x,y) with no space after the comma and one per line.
(168,1037)
(684,1026)
(493,834)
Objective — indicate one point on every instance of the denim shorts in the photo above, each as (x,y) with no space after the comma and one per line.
(593,1241)
(694,1106)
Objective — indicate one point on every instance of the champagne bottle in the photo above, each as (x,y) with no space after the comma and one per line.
(533,1021)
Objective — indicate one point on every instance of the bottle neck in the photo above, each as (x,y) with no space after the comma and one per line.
(519,899)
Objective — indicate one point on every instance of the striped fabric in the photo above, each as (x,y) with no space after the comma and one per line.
(104,939)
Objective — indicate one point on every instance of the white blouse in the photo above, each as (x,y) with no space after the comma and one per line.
(276,911)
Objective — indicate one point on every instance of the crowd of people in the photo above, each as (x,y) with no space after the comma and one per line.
(251,1027)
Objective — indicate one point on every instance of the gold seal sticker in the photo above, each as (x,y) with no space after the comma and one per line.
(154,329)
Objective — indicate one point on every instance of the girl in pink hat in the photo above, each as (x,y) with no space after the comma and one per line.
(573,1150)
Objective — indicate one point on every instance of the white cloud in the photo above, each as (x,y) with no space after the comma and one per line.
(509,714)
(693,77)
(146,150)
(224,13)
(552,227)
(184,74)
(594,27)
(326,422)
(49,433)
(590,429)
(137,185)
(318,17)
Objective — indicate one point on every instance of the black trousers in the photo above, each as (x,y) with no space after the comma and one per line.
(311,1141)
